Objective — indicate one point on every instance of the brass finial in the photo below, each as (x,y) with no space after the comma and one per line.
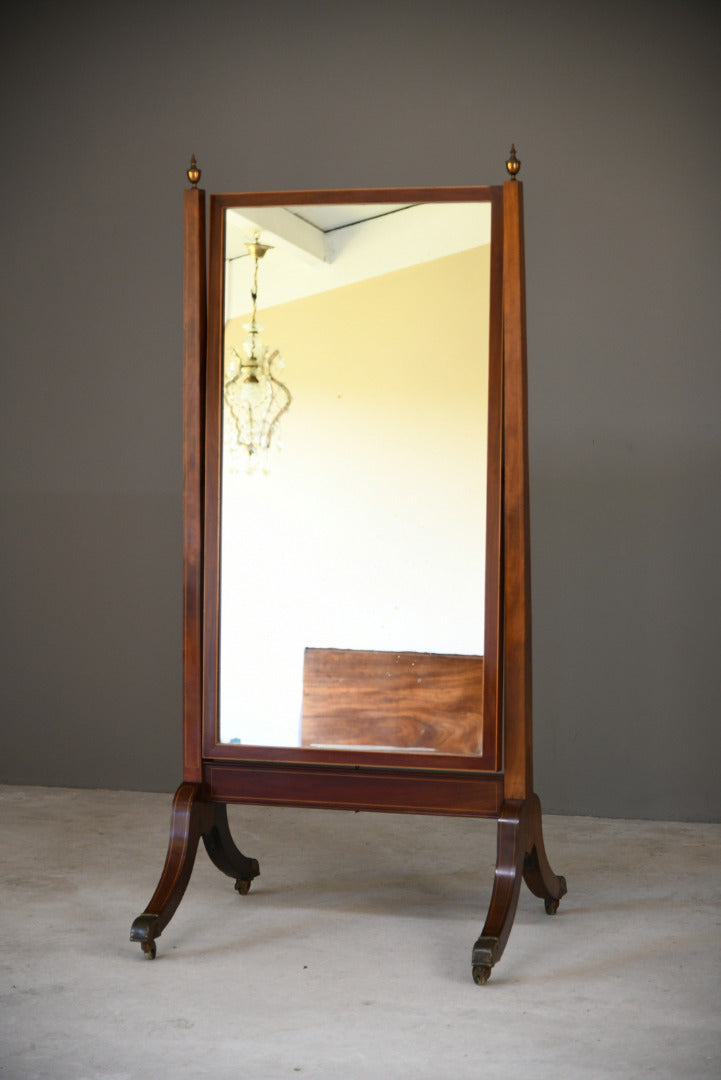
(513,164)
(193,172)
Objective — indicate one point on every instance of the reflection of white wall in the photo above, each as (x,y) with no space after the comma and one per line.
(369,531)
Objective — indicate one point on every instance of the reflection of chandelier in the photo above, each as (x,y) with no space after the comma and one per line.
(255,399)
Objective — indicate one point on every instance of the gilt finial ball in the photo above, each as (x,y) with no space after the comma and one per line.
(513,164)
(193,173)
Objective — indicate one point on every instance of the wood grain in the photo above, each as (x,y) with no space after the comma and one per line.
(518,719)
(429,701)
(194,311)
(343,787)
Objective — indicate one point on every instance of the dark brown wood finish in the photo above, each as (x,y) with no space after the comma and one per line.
(520,848)
(355,787)
(193,817)
(222,851)
(518,735)
(489,757)
(211,522)
(194,314)
(520,856)
(496,782)
(493,623)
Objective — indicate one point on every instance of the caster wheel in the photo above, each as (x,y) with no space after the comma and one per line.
(552,905)
(242,886)
(481,974)
(149,949)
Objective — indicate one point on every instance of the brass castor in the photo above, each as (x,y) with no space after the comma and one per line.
(481,974)
(149,949)
(552,905)
(242,885)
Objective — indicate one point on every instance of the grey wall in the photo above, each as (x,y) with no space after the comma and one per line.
(614,110)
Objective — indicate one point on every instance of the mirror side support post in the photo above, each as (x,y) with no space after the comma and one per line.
(518,715)
(521,854)
(208,819)
(192,816)
(205,820)
(194,329)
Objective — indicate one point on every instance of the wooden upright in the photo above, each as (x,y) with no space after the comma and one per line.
(520,852)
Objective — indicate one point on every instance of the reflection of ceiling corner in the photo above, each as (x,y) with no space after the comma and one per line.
(280,228)
(317,248)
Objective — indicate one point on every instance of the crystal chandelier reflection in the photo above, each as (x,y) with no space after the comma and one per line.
(255,398)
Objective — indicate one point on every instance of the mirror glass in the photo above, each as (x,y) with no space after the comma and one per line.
(359,542)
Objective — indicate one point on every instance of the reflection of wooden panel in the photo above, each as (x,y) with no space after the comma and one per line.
(429,701)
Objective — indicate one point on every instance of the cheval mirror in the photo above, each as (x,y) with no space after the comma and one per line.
(356,626)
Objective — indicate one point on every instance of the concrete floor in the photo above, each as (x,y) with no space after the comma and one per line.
(350,957)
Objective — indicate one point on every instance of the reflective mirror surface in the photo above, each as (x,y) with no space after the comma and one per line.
(357,543)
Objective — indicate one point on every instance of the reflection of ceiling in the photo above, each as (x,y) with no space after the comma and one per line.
(290,223)
(329,218)
(316,248)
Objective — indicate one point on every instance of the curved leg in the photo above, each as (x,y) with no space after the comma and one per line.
(191,817)
(520,856)
(225,855)
(510,854)
(537,872)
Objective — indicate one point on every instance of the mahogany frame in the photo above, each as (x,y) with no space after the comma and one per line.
(498,783)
